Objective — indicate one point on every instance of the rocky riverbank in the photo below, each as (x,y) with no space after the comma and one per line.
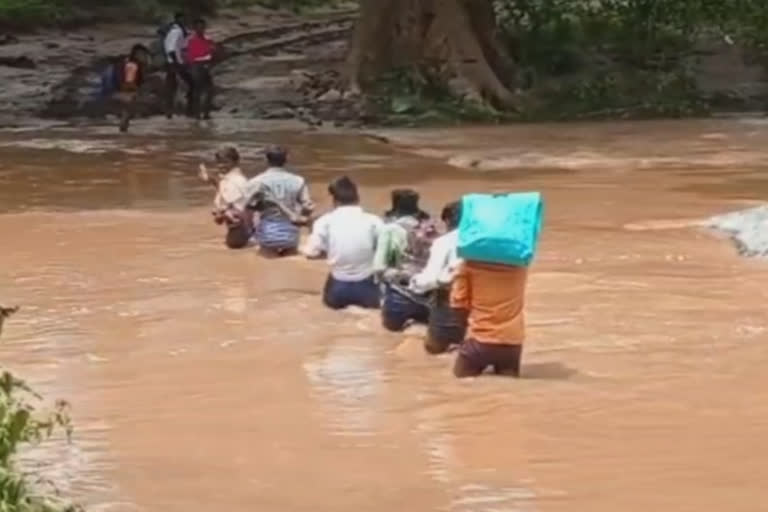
(747,228)
(274,65)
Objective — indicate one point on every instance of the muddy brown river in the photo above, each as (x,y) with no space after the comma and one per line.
(206,379)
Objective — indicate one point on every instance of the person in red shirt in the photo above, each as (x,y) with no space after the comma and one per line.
(200,50)
(130,77)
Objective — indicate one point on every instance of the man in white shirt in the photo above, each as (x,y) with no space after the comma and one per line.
(282,199)
(347,236)
(231,200)
(447,326)
(173,46)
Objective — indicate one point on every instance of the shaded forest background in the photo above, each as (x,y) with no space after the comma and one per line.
(554,59)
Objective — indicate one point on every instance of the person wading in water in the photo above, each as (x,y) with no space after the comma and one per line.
(130,77)
(200,50)
(347,236)
(174,44)
(282,200)
(231,200)
(447,326)
(402,251)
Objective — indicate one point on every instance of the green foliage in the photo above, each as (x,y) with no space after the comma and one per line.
(630,58)
(22,424)
(412,97)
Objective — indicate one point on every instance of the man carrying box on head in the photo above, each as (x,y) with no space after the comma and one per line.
(498,236)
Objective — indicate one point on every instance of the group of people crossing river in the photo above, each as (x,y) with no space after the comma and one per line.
(400,263)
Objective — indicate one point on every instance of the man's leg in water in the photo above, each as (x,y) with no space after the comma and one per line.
(471,360)
(207,93)
(398,309)
(474,357)
(506,360)
(126,110)
(171,87)
(340,294)
(394,311)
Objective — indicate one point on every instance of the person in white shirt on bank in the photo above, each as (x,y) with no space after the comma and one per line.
(447,326)
(174,44)
(347,237)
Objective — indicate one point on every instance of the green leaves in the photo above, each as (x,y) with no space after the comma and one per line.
(21,424)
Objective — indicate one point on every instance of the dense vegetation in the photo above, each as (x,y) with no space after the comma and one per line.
(569,59)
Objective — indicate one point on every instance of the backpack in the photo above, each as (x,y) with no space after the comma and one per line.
(110,79)
(163,30)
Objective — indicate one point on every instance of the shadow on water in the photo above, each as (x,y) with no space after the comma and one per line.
(547,371)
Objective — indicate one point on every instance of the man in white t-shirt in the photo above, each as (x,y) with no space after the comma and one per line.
(347,237)
(174,43)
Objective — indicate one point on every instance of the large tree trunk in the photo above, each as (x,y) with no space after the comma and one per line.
(455,38)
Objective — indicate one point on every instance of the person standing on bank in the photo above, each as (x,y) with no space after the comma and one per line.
(282,200)
(199,56)
(174,44)
(347,236)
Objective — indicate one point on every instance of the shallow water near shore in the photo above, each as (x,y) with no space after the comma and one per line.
(203,378)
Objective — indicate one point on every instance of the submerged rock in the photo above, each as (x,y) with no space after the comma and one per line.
(747,228)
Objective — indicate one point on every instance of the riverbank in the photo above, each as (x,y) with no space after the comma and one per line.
(279,65)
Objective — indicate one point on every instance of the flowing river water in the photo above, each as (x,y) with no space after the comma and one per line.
(208,379)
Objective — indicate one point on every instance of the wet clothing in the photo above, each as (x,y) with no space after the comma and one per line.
(347,236)
(279,190)
(363,293)
(129,76)
(399,308)
(277,235)
(474,357)
(280,197)
(238,236)
(232,191)
(447,326)
(441,266)
(401,251)
(494,296)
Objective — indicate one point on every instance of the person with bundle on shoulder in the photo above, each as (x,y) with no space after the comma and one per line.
(498,236)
